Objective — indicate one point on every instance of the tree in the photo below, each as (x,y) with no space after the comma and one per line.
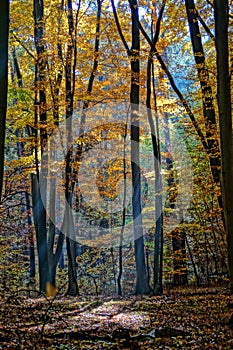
(177,234)
(39,194)
(20,148)
(154,127)
(225,122)
(207,95)
(4,31)
(141,283)
(70,66)
(134,56)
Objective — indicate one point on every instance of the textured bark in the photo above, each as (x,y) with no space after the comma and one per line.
(4,30)
(31,248)
(154,127)
(141,282)
(40,227)
(53,257)
(119,287)
(71,246)
(41,67)
(225,120)
(158,240)
(39,192)
(70,86)
(178,237)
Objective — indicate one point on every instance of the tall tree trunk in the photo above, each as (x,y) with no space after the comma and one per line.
(41,66)
(39,192)
(158,244)
(178,237)
(70,78)
(207,96)
(4,30)
(141,282)
(70,86)
(54,258)
(119,287)
(225,121)
(40,227)
(154,127)
(30,246)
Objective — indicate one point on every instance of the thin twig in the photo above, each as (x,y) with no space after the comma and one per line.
(119,27)
(22,44)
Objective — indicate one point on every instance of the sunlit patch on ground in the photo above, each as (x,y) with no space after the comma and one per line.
(112,313)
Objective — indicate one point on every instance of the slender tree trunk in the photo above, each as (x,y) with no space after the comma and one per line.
(192,260)
(157,288)
(225,121)
(45,247)
(30,246)
(70,86)
(78,155)
(41,66)
(141,282)
(71,247)
(119,287)
(207,96)
(40,227)
(54,258)
(39,192)
(154,127)
(4,30)
(178,238)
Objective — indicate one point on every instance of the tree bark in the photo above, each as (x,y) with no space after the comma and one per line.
(41,64)
(178,238)
(225,121)
(141,282)
(39,192)
(158,239)
(40,227)
(4,31)
(70,86)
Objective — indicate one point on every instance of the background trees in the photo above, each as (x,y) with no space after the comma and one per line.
(78,58)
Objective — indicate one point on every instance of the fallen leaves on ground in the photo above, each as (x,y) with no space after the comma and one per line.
(186,319)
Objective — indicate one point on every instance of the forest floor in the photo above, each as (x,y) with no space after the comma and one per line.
(194,318)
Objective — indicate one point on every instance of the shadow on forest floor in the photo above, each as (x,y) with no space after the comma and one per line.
(199,318)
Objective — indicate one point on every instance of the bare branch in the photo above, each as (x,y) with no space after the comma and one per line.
(119,27)
(22,44)
(158,23)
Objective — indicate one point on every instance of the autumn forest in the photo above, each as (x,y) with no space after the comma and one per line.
(116,174)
